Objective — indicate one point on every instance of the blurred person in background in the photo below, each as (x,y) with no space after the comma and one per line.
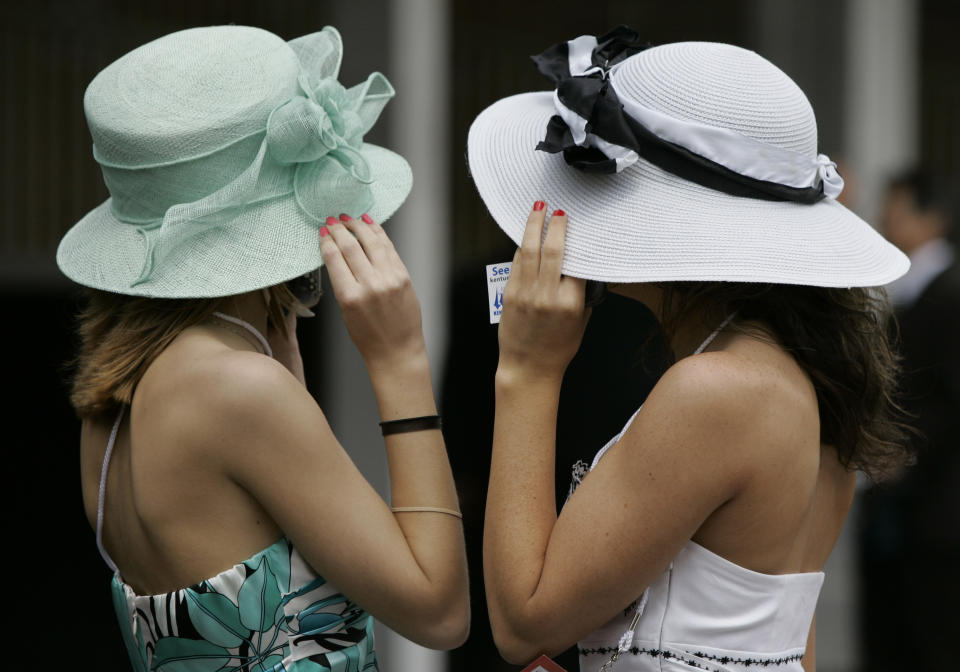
(240,532)
(910,527)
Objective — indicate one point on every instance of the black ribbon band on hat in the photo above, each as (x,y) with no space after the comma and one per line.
(592,98)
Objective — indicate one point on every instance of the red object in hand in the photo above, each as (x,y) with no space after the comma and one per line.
(543,664)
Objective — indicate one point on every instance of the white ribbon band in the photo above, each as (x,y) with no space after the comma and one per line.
(737,152)
(580,54)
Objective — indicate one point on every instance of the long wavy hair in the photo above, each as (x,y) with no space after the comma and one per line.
(844,339)
(121,336)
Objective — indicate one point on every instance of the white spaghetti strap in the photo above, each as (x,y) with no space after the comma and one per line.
(249,327)
(613,441)
(103,489)
(712,336)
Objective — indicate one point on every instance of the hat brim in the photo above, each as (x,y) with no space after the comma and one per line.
(269,243)
(646,225)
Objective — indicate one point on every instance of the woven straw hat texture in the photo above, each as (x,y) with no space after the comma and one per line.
(645,224)
(202,204)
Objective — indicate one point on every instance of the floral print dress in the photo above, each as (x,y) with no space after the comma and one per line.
(269,613)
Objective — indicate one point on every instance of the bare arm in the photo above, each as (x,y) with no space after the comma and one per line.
(407,569)
(551,580)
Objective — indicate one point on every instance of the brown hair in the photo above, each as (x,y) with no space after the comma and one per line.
(842,338)
(120,336)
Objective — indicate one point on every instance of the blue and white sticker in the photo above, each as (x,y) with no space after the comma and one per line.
(497,275)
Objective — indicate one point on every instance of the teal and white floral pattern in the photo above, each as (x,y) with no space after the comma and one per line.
(271,613)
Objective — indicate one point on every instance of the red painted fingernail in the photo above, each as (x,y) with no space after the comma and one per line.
(558,213)
(367,218)
(324,232)
(539,205)
(345,218)
(332,220)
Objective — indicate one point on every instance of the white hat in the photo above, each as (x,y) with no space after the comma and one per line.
(687,161)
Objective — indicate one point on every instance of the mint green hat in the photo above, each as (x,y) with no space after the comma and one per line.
(224,150)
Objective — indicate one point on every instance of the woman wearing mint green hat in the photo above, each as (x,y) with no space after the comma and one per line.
(240,533)
(684,176)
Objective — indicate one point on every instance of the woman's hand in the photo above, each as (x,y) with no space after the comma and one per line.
(543,314)
(286,349)
(373,288)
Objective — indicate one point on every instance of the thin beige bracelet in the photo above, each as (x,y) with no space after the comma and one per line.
(429,509)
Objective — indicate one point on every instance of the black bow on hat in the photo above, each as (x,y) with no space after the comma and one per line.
(579,68)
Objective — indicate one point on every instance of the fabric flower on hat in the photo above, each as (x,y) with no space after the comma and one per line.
(322,132)
(327,122)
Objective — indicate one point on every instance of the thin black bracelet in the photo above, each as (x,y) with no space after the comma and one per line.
(410,424)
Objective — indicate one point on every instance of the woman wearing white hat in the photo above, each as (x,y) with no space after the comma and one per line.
(240,533)
(687,177)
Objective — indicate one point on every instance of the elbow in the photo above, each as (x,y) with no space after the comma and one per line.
(517,651)
(440,621)
(518,646)
(452,634)
(446,630)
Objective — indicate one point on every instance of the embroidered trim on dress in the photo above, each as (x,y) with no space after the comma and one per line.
(723,660)
(580,469)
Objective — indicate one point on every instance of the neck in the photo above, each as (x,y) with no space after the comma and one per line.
(250,307)
(689,334)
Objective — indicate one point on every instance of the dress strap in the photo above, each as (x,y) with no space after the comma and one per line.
(623,431)
(249,327)
(716,331)
(101,497)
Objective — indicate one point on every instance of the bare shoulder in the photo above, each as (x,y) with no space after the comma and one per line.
(245,380)
(724,386)
(223,397)
(735,399)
